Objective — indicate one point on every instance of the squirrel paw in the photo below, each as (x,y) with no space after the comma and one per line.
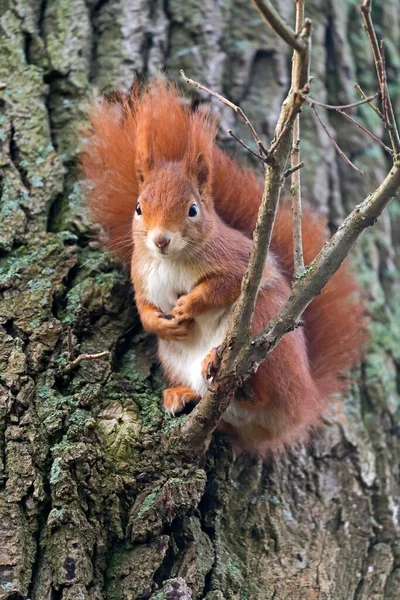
(169,328)
(211,363)
(175,399)
(183,310)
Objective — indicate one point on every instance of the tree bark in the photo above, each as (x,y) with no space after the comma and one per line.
(92,506)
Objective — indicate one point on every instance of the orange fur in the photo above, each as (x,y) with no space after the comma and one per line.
(175,399)
(152,148)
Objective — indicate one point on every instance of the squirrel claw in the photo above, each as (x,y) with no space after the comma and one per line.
(211,363)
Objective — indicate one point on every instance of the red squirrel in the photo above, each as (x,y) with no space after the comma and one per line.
(181,213)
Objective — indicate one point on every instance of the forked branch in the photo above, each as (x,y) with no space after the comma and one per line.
(242,355)
(205,416)
(273,18)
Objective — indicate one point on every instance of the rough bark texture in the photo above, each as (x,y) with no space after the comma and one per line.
(91,505)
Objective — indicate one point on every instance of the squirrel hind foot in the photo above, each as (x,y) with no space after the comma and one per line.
(175,399)
(211,363)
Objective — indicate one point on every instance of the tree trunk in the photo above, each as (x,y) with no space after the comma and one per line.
(92,506)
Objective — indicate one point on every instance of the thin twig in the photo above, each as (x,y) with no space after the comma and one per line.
(276,141)
(301,60)
(299,17)
(367,131)
(339,109)
(295,187)
(387,107)
(82,357)
(338,149)
(273,18)
(242,143)
(74,362)
(385,92)
(295,190)
(288,172)
(364,97)
(298,100)
(328,261)
(365,100)
(237,109)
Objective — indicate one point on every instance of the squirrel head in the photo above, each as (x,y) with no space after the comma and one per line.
(174,215)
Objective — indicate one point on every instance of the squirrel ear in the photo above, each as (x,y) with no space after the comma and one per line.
(200,171)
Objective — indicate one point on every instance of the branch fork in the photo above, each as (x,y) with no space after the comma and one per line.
(241,355)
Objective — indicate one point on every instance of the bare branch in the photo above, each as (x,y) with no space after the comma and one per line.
(364,97)
(340,110)
(82,357)
(328,261)
(204,418)
(239,330)
(385,91)
(301,60)
(298,100)
(367,131)
(295,188)
(338,149)
(242,143)
(387,107)
(273,18)
(365,100)
(242,355)
(262,150)
(293,169)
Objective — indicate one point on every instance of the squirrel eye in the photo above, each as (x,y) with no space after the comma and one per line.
(138,209)
(193,210)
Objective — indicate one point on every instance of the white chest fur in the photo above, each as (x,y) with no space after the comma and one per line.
(164,281)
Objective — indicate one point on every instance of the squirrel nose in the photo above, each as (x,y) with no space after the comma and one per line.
(161,241)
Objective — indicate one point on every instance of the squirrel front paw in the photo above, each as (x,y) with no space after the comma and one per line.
(175,399)
(184,308)
(211,363)
(172,329)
